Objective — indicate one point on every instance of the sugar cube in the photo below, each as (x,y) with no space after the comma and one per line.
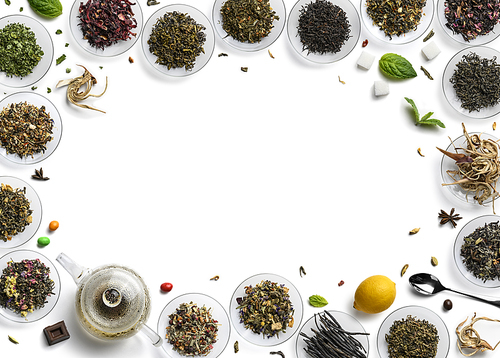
(431,50)
(381,88)
(365,60)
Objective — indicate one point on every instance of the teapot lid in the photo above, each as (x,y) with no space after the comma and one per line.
(114,300)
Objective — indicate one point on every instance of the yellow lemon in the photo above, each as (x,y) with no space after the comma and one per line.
(375,294)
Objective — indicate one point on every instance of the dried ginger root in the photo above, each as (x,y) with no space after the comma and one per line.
(469,338)
(73,94)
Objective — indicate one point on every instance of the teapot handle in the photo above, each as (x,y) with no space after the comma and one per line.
(152,335)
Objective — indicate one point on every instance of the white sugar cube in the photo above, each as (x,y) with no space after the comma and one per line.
(381,88)
(431,50)
(365,60)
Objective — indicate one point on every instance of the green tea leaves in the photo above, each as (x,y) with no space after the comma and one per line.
(46,8)
(396,66)
(317,301)
(426,118)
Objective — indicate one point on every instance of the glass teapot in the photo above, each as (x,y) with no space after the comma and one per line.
(112,301)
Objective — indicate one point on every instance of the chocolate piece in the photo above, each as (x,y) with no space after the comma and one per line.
(56,333)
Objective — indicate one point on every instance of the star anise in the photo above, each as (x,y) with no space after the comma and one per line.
(451,217)
(39,175)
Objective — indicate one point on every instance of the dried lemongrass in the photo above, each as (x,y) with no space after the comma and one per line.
(478,167)
(469,338)
(73,94)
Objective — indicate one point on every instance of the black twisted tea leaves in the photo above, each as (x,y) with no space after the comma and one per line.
(480,252)
(323,27)
(177,40)
(476,81)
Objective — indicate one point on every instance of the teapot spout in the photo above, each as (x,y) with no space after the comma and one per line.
(75,270)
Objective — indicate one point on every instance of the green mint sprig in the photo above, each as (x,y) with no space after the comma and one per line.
(426,118)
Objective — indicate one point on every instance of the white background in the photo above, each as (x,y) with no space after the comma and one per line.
(234,174)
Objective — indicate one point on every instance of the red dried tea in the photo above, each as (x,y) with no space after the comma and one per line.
(104,23)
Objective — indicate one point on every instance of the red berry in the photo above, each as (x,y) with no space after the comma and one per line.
(166,287)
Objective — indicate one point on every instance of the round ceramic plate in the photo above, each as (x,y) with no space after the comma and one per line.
(467,230)
(39,101)
(114,49)
(260,339)
(208,47)
(448,164)
(277,5)
(425,21)
(218,314)
(419,313)
(345,321)
(18,256)
(35,205)
(479,40)
(347,47)
(43,40)
(449,91)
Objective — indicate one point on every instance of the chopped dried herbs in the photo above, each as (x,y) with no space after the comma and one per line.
(266,308)
(27,284)
(192,331)
(19,51)
(15,212)
(25,129)
(104,23)
(60,59)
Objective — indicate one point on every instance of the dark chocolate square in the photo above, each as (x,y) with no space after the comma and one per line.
(56,333)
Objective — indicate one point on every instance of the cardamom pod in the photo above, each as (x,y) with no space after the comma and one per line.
(403,270)
(434,261)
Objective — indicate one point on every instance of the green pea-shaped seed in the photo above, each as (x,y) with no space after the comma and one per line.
(43,241)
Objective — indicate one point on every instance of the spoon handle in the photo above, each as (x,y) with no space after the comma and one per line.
(494,303)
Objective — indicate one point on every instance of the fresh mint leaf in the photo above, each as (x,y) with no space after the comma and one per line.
(410,101)
(47,8)
(396,66)
(432,121)
(317,301)
(426,118)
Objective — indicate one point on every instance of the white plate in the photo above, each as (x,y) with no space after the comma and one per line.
(347,47)
(260,339)
(218,314)
(35,205)
(114,49)
(43,40)
(39,101)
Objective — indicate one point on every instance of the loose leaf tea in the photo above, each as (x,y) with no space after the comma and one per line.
(323,27)
(25,286)
(412,338)
(266,309)
(248,20)
(395,18)
(476,81)
(25,129)
(19,50)
(177,40)
(192,330)
(478,167)
(104,23)
(480,252)
(468,337)
(471,18)
(15,212)
(331,340)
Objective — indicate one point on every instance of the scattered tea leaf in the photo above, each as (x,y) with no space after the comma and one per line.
(302,271)
(414,231)
(60,59)
(13,340)
(420,152)
(215,278)
(236,347)
(341,81)
(58,31)
(270,54)
(244,69)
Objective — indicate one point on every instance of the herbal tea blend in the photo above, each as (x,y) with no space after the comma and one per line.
(323,27)
(412,338)
(177,40)
(266,309)
(395,18)
(471,18)
(25,129)
(248,20)
(480,252)
(469,338)
(104,23)
(476,81)
(330,338)
(25,286)
(192,330)
(19,51)
(15,212)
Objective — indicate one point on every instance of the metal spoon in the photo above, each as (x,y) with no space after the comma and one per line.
(428,284)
